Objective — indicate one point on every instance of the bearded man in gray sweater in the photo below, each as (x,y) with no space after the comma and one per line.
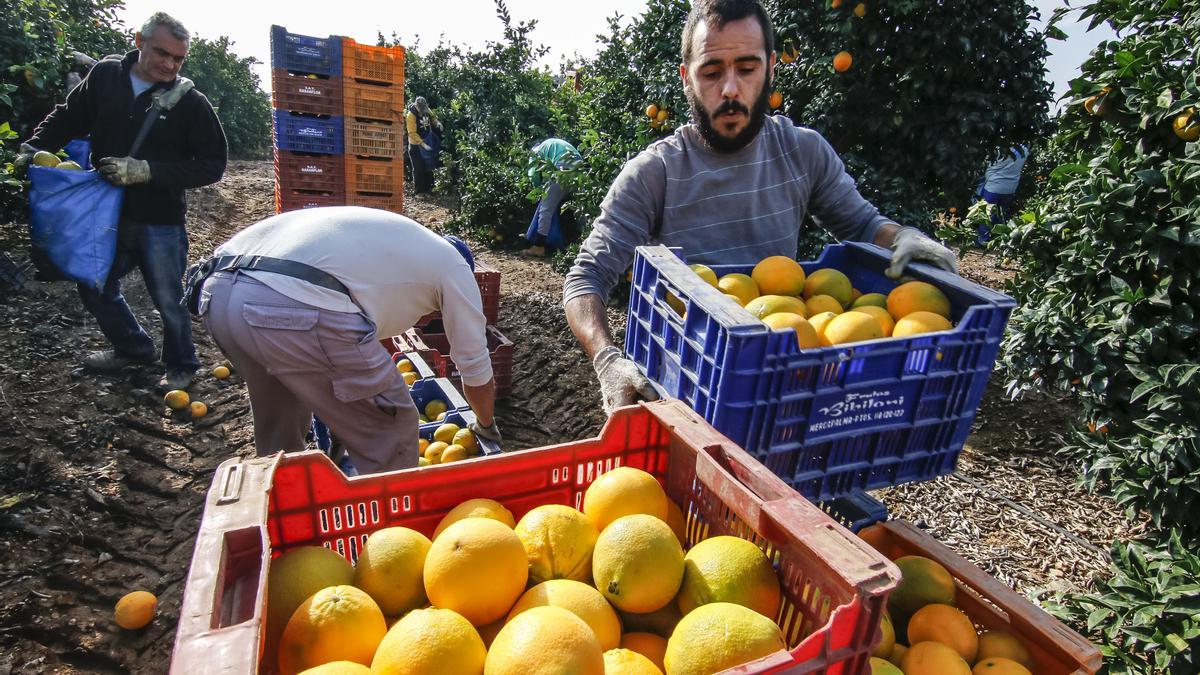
(733,186)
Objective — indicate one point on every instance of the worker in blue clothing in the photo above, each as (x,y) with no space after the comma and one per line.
(549,157)
(999,188)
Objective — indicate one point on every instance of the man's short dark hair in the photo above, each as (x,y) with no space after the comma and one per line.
(721,12)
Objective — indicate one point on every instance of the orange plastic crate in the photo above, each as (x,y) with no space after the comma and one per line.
(379,176)
(393,203)
(294,200)
(383,65)
(1055,648)
(310,94)
(834,585)
(374,139)
(363,100)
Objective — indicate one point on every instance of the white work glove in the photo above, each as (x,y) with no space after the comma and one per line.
(621,383)
(124,170)
(488,433)
(911,244)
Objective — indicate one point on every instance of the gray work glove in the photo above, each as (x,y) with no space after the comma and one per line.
(911,244)
(488,433)
(168,98)
(621,383)
(24,156)
(124,170)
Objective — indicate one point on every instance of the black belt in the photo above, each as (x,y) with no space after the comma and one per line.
(288,268)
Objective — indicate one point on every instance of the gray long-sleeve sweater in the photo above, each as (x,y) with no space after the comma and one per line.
(721,208)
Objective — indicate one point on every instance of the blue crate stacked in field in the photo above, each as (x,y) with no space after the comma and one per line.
(831,421)
(309,130)
(373,109)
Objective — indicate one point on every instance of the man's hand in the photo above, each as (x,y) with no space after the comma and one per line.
(621,383)
(488,433)
(24,156)
(124,170)
(911,244)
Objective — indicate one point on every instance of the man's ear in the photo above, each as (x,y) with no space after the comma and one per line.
(683,73)
(137,40)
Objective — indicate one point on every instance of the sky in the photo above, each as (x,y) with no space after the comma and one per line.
(566,28)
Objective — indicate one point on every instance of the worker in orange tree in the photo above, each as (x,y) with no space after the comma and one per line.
(298,303)
(733,186)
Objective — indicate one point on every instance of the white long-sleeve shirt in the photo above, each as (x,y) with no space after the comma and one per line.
(396,270)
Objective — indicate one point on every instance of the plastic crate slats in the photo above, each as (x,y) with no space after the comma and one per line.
(306,54)
(299,133)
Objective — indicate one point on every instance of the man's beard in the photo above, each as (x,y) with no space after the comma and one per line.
(756,116)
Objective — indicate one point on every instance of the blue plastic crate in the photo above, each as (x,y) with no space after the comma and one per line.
(300,133)
(437,388)
(304,54)
(829,421)
(855,511)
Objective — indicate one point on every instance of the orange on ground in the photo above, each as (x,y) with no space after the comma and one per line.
(476,508)
(999,666)
(339,623)
(177,399)
(545,641)
(766,305)
(198,409)
(649,645)
(933,658)
(852,327)
(621,492)
(135,610)
(389,569)
(831,282)
(993,643)
(881,316)
(476,567)
(947,625)
(718,636)
(842,61)
(220,372)
(627,662)
(922,582)
(638,563)
(558,542)
(778,275)
(917,323)
(578,598)
(729,569)
(818,304)
(914,296)
(430,641)
(740,285)
(806,335)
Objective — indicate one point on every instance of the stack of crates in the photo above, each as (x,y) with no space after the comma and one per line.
(338,122)
(373,108)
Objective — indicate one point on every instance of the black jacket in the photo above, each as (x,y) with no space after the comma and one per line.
(185,148)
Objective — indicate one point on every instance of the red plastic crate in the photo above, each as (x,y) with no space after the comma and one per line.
(383,65)
(380,102)
(378,176)
(488,279)
(290,200)
(393,203)
(834,585)
(374,139)
(434,347)
(1054,648)
(314,173)
(312,94)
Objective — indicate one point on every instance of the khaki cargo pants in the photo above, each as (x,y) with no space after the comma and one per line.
(298,359)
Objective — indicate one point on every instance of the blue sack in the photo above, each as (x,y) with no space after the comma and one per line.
(80,152)
(555,237)
(73,218)
(432,156)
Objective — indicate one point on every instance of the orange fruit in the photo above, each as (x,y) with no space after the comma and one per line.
(433,453)
(476,567)
(916,296)
(197,409)
(1186,125)
(933,658)
(922,582)
(220,372)
(410,378)
(430,641)
(621,492)
(545,640)
(578,598)
(558,542)
(291,579)
(778,275)
(917,323)
(454,453)
(852,327)
(638,563)
(831,282)
(881,316)
(775,101)
(728,569)
(887,637)
(662,115)
(884,667)
(660,622)
(766,305)
(806,335)
(677,521)
(177,399)
(995,643)
(874,299)
(897,654)
(406,366)
(947,625)
(490,631)
(998,665)
(705,272)
(339,623)
(819,323)
(842,61)
(819,304)
(652,111)
(741,285)
(338,668)
(389,569)
(135,610)
(649,645)
(628,662)
(718,636)
(835,4)
(860,10)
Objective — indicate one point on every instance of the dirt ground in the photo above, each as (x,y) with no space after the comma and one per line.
(101,491)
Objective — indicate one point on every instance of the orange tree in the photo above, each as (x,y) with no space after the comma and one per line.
(1108,308)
